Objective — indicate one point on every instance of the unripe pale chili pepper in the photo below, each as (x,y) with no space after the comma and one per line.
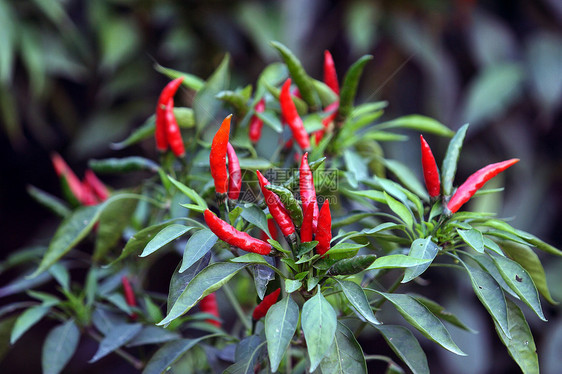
(129,295)
(430,171)
(256,124)
(234,237)
(99,189)
(306,229)
(173,133)
(261,309)
(234,173)
(277,210)
(217,158)
(292,117)
(349,88)
(209,305)
(350,266)
(324,231)
(289,202)
(63,170)
(160,132)
(307,190)
(330,75)
(475,182)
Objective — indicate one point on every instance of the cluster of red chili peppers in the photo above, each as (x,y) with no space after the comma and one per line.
(167,131)
(89,191)
(466,190)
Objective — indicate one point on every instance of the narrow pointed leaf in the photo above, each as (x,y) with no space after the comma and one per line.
(59,347)
(473,238)
(164,237)
(423,249)
(27,319)
(406,346)
(118,336)
(398,261)
(179,281)
(449,167)
(356,296)
(197,246)
(349,87)
(442,313)
(400,210)
(280,326)
(345,355)
(205,105)
(153,335)
(139,241)
(422,319)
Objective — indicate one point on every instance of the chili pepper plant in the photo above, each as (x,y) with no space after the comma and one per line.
(291,233)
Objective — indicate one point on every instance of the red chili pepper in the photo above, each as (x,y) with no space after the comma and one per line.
(63,170)
(160,132)
(330,76)
(261,309)
(306,228)
(324,232)
(327,121)
(277,209)
(100,190)
(256,124)
(307,190)
(234,173)
(234,237)
(173,131)
(292,117)
(209,305)
(476,181)
(272,230)
(430,171)
(217,157)
(88,197)
(129,295)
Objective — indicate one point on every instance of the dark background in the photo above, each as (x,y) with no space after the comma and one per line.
(77,75)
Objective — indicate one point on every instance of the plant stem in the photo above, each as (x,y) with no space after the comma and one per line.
(136,363)
(236,305)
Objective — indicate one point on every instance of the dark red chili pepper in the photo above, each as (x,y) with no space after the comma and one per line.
(99,189)
(63,170)
(217,157)
(330,76)
(160,132)
(88,197)
(129,295)
(327,121)
(324,232)
(277,209)
(261,309)
(209,305)
(306,228)
(173,131)
(272,230)
(475,182)
(256,124)
(234,173)
(234,237)
(430,171)
(307,190)
(292,117)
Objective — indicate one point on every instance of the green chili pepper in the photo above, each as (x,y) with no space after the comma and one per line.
(349,88)
(299,75)
(123,165)
(350,266)
(289,201)
(236,99)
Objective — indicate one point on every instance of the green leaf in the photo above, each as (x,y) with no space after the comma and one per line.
(400,210)
(325,93)
(139,241)
(292,285)
(345,355)
(344,250)
(356,296)
(521,282)
(116,338)
(406,346)
(164,237)
(113,220)
(319,326)
(473,238)
(248,352)
(59,347)
(449,167)
(408,179)
(520,343)
(256,217)
(206,282)
(255,164)
(27,319)
(250,258)
(197,246)
(123,165)
(280,326)
(170,353)
(189,80)
(416,122)
(423,320)
(349,87)
(270,118)
(205,105)
(119,40)
(61,274)
(398,261)
(179,281)
(153,335)
(530,262)
(49,201)
(194,196)
(423,249)
(490,295)
(71,231)
(145,131)
(442,313)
